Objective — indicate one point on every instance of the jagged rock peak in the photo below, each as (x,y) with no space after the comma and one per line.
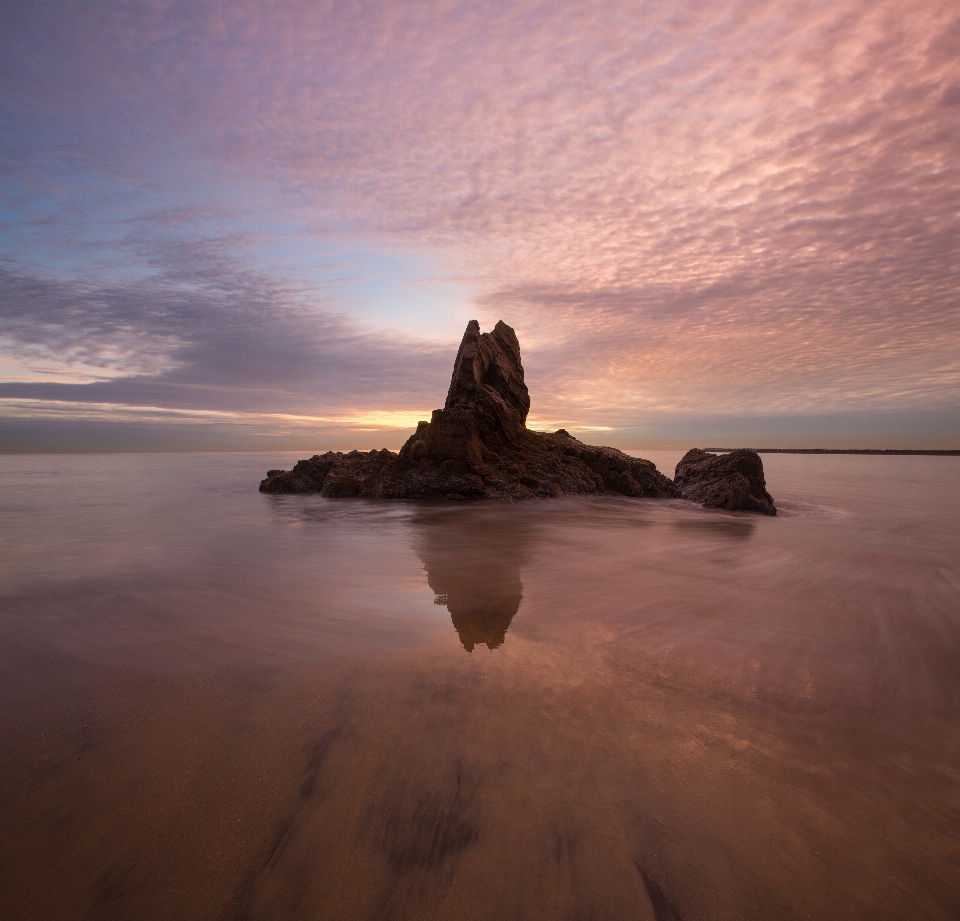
(489,364)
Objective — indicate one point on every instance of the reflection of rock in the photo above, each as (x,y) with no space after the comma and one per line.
(473,566)
(478,446)
(731,481)
(480,616)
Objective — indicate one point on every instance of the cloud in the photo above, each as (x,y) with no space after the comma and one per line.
(225,342)
(733,207)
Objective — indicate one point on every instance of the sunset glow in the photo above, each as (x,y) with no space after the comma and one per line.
(734,220)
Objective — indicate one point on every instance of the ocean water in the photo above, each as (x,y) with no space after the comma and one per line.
(220,704)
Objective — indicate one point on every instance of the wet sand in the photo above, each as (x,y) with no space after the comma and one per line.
(664,713)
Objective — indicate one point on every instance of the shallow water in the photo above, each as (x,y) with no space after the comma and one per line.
(222,704)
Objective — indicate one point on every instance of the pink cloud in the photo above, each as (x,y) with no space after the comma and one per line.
(740,206)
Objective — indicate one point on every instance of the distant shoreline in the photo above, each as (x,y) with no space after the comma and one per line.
(892,451)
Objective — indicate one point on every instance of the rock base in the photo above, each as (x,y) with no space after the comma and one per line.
(538,465)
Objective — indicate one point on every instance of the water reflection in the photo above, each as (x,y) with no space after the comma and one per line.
(710,717)
(472,557)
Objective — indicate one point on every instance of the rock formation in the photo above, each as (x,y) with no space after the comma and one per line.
(478,447)
(732,481)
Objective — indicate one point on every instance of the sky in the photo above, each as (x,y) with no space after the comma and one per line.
(265,225)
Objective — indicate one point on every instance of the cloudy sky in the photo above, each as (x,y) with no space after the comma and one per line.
(265,223)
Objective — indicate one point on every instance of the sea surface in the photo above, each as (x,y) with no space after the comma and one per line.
(220,704)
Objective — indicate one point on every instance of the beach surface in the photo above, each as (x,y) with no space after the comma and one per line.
(221,704)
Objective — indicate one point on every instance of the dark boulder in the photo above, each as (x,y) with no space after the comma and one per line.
(731,481)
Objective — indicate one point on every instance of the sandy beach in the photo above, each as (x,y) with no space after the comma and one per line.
(666,713)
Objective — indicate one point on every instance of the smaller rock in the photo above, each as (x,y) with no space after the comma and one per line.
(307,476)
(731,481)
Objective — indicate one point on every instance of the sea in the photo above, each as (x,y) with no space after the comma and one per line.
(220,704)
